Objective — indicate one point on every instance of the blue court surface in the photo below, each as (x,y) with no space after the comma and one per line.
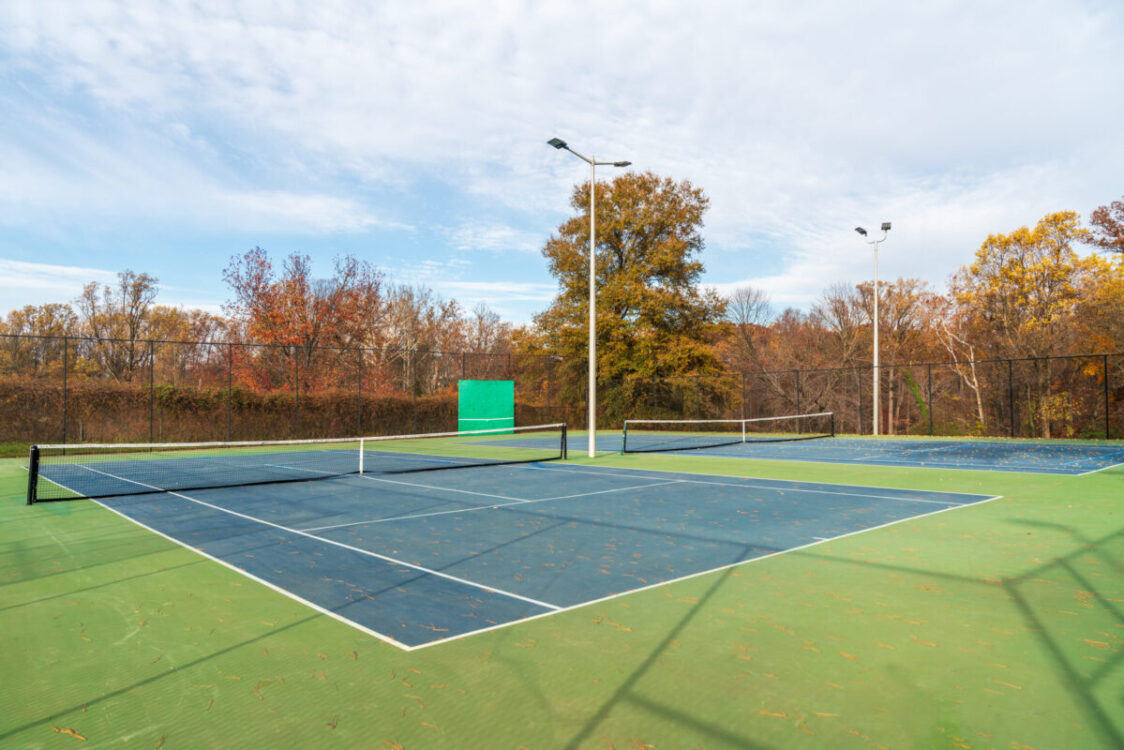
(980,455)
(416,559)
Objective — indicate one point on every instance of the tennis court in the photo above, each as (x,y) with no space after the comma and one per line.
(418,557)
(795,438)
(976,455)
(523,599)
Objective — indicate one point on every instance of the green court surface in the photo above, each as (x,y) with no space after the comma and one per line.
(998,625)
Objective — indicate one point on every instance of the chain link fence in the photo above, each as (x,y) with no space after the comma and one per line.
(76,389)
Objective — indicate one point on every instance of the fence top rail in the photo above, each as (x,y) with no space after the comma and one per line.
(996,360)
(514,356)
(296,347)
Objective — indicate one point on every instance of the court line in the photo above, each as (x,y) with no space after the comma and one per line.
(408,484)
(296,597)
(691,575)
(876,459)
(931,450)
(359,550)
(435,487)
(486,507)
(555,609)
(873,460)
(1094,471)
(786,489)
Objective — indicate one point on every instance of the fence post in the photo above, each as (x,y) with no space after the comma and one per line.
(151,391)
(297,391)
(359,392)
(929,366)
(1104,362)
(1011,395)
(744,394)
(798,393)
(65,366)
(698,399)
(859,377)
(229,390)
(549,373)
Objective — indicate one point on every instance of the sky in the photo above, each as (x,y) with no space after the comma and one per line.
(167,137)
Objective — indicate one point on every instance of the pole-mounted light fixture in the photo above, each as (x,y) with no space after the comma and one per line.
(875,243)
(592,390)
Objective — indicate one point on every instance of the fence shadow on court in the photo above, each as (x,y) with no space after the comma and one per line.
(1081,684)
(627,693)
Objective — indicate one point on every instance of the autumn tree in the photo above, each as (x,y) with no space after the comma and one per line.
(118,316)
(653,320)
(749,313)
(305,321)
(32,339)
(1108,227)
(485,332)
(1022,289)
(1021,297)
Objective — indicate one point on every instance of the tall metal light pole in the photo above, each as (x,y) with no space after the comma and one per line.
(593,163)
(875,243)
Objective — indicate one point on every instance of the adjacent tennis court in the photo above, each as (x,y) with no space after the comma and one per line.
(416,556)
(796,438)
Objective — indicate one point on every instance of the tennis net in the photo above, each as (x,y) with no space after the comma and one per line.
(71,471)
(659,435)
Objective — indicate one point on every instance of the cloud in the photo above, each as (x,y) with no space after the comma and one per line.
(493,237)
(21,279)
(800,120)
(485,291)
(26,283)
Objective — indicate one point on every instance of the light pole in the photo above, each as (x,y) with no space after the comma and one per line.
(875,243)
(592,162)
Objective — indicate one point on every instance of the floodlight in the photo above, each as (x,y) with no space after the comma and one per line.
(861,231)
(557,142)
(621,163)
(885,226)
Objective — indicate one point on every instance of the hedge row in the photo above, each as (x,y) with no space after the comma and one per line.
(32,411)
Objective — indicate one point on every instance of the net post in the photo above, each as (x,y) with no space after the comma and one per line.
(624,438)
(833,424)
(361,451)
(743,430)
(565,456)
(32,474)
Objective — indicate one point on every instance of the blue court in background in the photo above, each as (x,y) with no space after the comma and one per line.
(1040,457)
(419,558)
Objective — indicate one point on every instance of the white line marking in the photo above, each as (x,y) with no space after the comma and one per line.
(483,507)
(251,576)
(794,489)
(929,450)
(1094,471)
(647,473)
(557,610)
(443,489)
(689,576)
(359,550)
